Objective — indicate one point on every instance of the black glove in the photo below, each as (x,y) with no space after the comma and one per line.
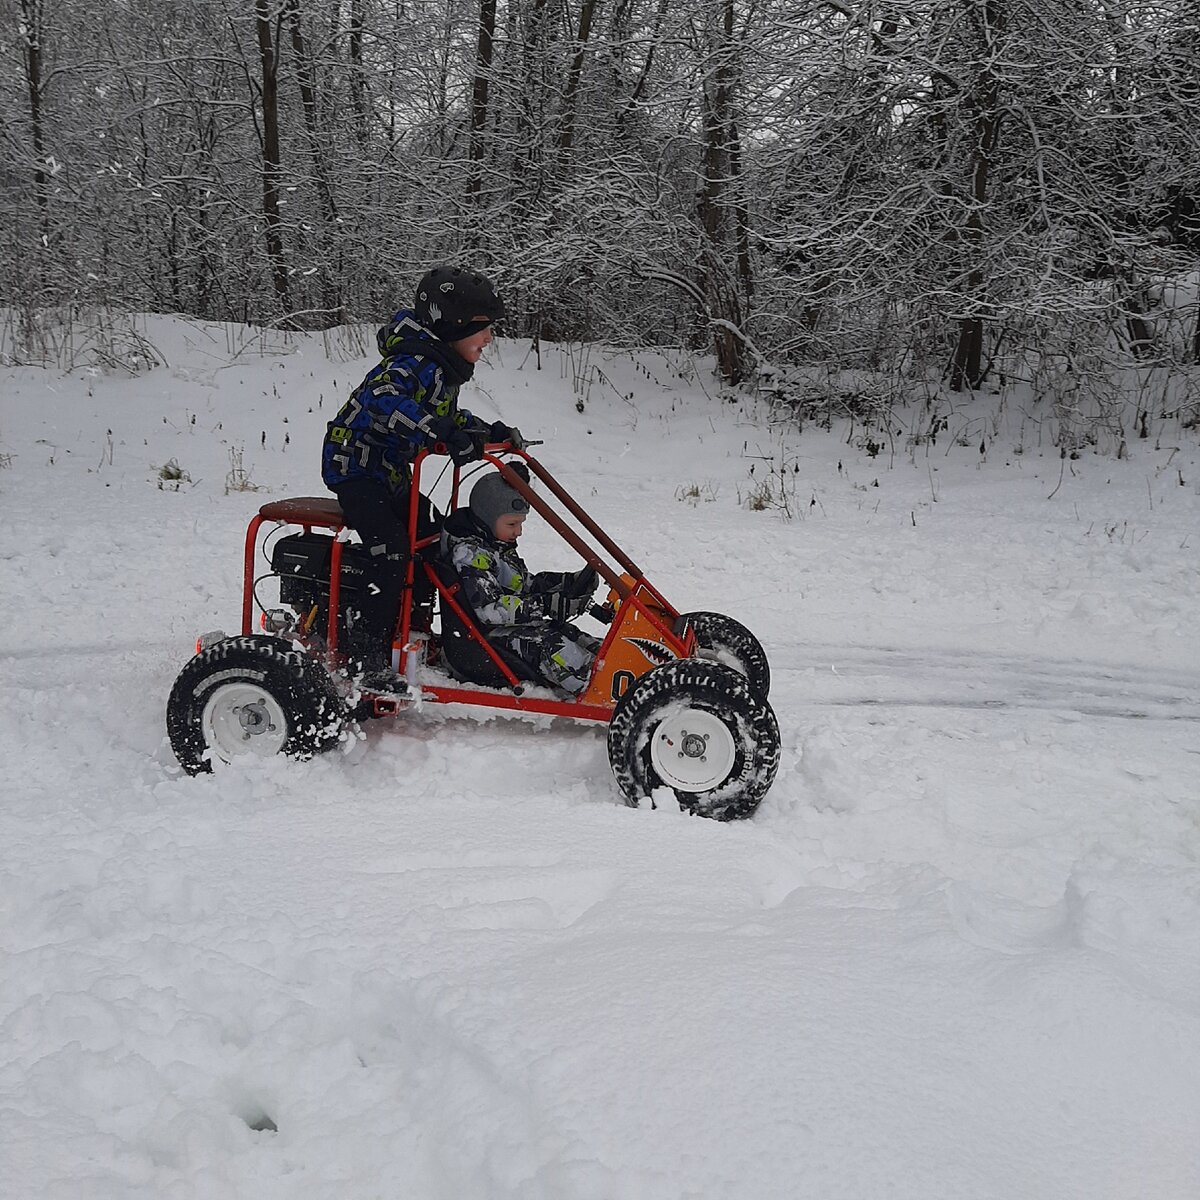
(571,595)
(499,432)
(560,607)
(462,445)
(583,583)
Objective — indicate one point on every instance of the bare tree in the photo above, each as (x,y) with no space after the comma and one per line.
(267,27)
(31,34)
(318,152)
(484,54)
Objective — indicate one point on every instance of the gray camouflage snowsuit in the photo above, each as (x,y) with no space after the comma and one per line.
(525,613)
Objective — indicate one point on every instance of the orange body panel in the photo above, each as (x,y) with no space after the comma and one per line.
(641,637)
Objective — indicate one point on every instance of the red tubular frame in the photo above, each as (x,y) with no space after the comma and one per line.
(627,592)
(308,519)
(248,574)
(323,513)
(447,595)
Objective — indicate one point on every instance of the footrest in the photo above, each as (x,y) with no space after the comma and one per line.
(388,704)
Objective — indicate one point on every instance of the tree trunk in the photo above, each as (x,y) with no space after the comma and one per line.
(566,133)
(358,77)
(272,170)
(639,88)
(484,54)
(31,19)
(1141,331)
(741,217)
(718,199)
(328,206)
(966,370)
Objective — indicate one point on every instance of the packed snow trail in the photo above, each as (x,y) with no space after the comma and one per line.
(875,675)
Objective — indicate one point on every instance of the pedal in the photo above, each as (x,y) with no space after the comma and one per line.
(388,704)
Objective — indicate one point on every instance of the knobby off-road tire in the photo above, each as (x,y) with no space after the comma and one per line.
(721,639)
(701,729)
(251,696)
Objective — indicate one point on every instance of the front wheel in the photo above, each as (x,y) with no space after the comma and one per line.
(700,729)
(721,639)
(251,696)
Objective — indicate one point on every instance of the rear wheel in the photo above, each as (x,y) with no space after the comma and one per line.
(700,729)
(251,696)
(721,639)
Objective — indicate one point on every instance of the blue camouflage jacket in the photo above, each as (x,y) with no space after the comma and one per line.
(389,416)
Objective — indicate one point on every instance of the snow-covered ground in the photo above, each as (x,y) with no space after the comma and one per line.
(956,954)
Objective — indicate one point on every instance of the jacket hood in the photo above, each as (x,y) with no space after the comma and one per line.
(400,332)
(404,334)
(462,522)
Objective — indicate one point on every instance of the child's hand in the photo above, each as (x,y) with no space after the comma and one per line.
(500,432)
(560,607)
(573,597)
(462,446)
(567,594)
(583,584)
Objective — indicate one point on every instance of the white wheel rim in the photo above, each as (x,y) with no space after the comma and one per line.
(243,718)
(692,750)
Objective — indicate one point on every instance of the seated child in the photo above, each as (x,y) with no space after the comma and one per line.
(528,615)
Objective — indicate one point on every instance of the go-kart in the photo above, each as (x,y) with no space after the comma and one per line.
(684,695)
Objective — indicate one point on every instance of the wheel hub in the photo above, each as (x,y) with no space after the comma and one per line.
(243,718)
(693,751)
(254,718)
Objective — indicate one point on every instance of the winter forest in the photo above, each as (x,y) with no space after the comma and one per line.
(968,192)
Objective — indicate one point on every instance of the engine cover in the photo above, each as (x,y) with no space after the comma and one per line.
(301,560)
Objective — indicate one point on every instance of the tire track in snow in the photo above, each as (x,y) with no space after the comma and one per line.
(883,677)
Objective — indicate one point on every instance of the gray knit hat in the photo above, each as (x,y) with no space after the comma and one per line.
(494,497)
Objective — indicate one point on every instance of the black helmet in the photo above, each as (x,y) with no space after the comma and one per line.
(454,303)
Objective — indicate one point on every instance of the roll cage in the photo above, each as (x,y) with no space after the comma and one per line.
(645,629)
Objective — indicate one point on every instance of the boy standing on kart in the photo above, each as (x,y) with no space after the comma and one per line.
(408,402)
(528,615)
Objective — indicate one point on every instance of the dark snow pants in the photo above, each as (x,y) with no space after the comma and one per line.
(560,653)
(380,517)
